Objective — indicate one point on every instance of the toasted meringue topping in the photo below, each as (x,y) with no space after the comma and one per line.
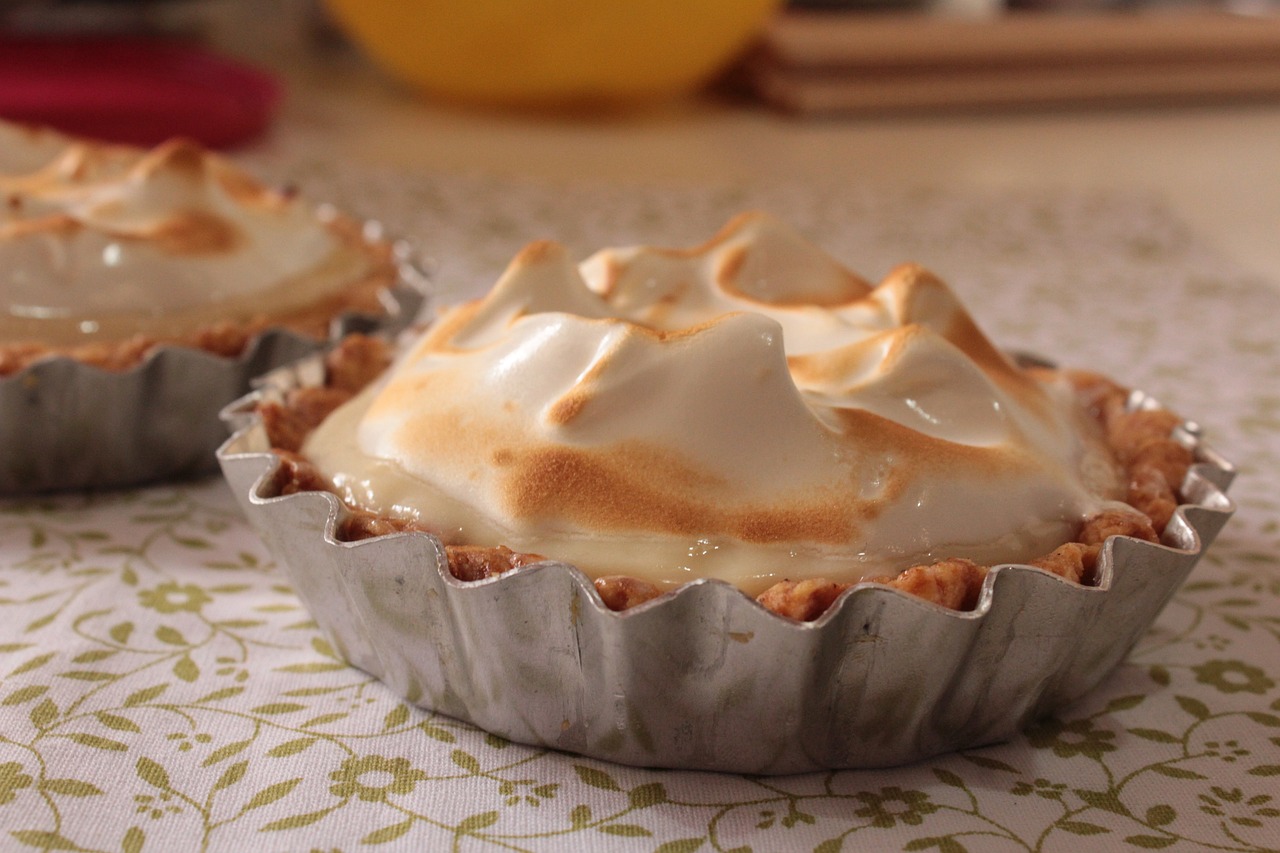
(748,410)
(103,242)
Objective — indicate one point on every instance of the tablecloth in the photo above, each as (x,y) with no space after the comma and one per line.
(162,688)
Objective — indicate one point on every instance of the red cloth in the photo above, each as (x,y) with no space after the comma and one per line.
(136,90)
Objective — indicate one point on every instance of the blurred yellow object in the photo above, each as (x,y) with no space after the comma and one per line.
(562,53)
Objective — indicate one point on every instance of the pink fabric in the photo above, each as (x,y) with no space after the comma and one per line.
(134,89)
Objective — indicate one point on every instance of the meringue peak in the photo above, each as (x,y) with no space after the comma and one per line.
(747,409)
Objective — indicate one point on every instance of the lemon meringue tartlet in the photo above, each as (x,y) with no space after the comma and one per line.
(107,251)
(141,291)
(748,410)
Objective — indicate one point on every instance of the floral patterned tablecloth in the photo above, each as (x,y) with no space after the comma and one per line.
(162,689)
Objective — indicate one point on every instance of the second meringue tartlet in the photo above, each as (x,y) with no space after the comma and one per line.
(140,291)
(107,251)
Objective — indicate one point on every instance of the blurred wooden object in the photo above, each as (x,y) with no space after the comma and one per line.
(849,62)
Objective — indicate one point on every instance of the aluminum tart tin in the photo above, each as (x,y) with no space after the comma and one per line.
(66,425)
(705,678)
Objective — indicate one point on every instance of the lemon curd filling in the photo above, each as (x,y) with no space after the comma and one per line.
(99,243)
(748,410)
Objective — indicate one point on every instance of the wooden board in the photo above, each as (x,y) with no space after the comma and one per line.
(865,62)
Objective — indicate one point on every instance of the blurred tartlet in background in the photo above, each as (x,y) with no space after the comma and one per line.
(144,288)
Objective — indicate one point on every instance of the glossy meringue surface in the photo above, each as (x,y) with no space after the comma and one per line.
(747,410)
(103,242)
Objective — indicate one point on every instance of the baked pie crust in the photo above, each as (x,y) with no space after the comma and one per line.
(1143,440)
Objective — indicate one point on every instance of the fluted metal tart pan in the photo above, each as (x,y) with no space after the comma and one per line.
(705,678)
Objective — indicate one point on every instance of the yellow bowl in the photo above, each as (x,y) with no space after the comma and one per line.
(552,52)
